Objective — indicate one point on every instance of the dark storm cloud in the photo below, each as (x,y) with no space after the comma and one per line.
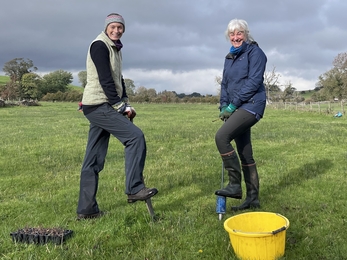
(166,42)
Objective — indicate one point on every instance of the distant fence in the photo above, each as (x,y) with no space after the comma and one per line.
(326,107)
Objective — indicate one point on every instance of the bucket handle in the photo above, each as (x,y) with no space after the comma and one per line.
(279,230)
(263,233)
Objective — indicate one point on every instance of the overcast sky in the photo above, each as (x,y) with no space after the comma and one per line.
(177,45)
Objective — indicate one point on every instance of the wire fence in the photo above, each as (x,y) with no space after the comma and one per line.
(323,107)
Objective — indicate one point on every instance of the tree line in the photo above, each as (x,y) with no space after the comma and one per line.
(143,94)
(26,84)
(331,85)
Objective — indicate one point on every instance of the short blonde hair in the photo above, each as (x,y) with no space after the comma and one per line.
(240,25)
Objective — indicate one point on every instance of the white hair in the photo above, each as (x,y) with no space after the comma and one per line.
(240,25)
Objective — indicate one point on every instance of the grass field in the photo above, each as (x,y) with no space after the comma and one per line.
(301,159)
(3,79)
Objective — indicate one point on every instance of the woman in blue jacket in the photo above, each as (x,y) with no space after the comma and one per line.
(242,104)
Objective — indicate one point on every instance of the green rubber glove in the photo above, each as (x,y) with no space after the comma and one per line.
(231,108)
(227,111)
(221,113)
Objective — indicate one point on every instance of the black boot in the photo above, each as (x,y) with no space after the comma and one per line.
(232,165)
(252,184)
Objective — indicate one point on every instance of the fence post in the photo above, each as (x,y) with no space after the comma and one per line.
(329,107)
(343,111)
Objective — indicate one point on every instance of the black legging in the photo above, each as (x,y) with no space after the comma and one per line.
(238,128)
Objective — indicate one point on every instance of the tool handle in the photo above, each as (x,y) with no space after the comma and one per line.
(221,205)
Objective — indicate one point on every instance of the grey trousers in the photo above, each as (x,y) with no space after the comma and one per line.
(105,121)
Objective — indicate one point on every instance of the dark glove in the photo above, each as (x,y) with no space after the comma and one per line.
(129,112)
(120,107)
(226,111)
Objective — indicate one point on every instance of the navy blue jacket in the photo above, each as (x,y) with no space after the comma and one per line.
(243,76)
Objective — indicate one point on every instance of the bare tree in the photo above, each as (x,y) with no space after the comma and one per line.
(167,96)
(10,91)
(218,80)
(340,62)
(288,92)
(152,93)
(271,80)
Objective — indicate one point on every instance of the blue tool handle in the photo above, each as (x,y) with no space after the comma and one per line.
(221,205)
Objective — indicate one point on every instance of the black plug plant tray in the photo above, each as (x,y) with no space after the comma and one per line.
(41,235)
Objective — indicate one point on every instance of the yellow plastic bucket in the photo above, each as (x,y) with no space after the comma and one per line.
(257,235)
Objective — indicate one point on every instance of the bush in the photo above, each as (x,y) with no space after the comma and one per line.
(70,96)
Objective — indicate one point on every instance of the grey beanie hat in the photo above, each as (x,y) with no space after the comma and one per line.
(114,18)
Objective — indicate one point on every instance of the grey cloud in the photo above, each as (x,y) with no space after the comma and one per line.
(180,36)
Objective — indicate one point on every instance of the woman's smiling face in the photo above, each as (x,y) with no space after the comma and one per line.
(237,38)
(115,31)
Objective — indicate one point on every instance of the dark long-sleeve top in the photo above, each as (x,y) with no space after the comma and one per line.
(101,59)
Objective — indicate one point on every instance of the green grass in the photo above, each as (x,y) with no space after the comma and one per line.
(307,94)
(325,107)
(301,159)
(77,88)
(4,79)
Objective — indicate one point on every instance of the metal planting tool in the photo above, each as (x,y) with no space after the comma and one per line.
(221,200)
(148,201)
(150,208)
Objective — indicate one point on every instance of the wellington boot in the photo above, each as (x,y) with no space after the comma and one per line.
(231,191)
(232,165)
(252,184)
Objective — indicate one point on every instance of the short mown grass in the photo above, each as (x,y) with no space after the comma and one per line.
(301,159)
(4,79)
